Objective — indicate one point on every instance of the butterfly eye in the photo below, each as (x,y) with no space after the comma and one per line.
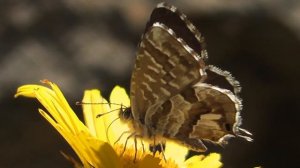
(126,114)
(227,127)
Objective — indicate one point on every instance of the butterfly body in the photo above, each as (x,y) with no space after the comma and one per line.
(174,95)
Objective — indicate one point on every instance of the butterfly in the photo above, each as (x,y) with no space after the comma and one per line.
(174,94)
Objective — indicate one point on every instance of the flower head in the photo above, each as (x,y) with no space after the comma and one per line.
(100,142)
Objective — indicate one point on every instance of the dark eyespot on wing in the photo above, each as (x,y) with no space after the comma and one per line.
(228,127)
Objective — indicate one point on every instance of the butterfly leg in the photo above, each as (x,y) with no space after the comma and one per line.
(143,146)
(125,145)
(142,143)
(153,147)
(162,146)
(135,149)
(123,133)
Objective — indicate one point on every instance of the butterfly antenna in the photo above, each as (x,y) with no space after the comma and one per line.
(97,103)
(100,115)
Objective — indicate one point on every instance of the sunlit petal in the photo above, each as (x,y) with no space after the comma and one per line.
(211,161)
(120,130)
(176,152)
(94,142)
(94,105)
(89,149)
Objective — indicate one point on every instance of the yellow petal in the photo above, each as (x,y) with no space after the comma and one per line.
(68,137)
(176,152)
(77,124)
(47,98)
(119,130)
(150,162)
(210,161)
(118,97)
(98,105)
(88,114)
(89,149)
(30,90)
(108,156)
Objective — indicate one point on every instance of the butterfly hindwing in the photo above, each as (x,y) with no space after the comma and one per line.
(222,79)
(199,112)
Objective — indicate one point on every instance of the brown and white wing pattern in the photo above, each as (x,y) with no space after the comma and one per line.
(179,23)
(165,65)
(222,79)
(173,93)
(205,111)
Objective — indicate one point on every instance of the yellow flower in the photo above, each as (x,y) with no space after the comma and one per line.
(95,141)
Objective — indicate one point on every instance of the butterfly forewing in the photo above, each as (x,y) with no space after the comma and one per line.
(163,68)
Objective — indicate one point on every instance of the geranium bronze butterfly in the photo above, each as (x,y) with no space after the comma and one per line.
(174,94)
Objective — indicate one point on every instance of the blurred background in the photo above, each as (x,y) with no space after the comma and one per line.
(83,44)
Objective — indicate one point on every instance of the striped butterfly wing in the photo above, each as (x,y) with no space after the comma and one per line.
(208,110)
(173,94)
(178,22)
(166,63)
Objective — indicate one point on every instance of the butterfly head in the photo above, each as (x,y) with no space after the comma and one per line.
(125,114)
(127,117)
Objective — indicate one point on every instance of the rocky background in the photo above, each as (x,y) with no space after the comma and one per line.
(82,44)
